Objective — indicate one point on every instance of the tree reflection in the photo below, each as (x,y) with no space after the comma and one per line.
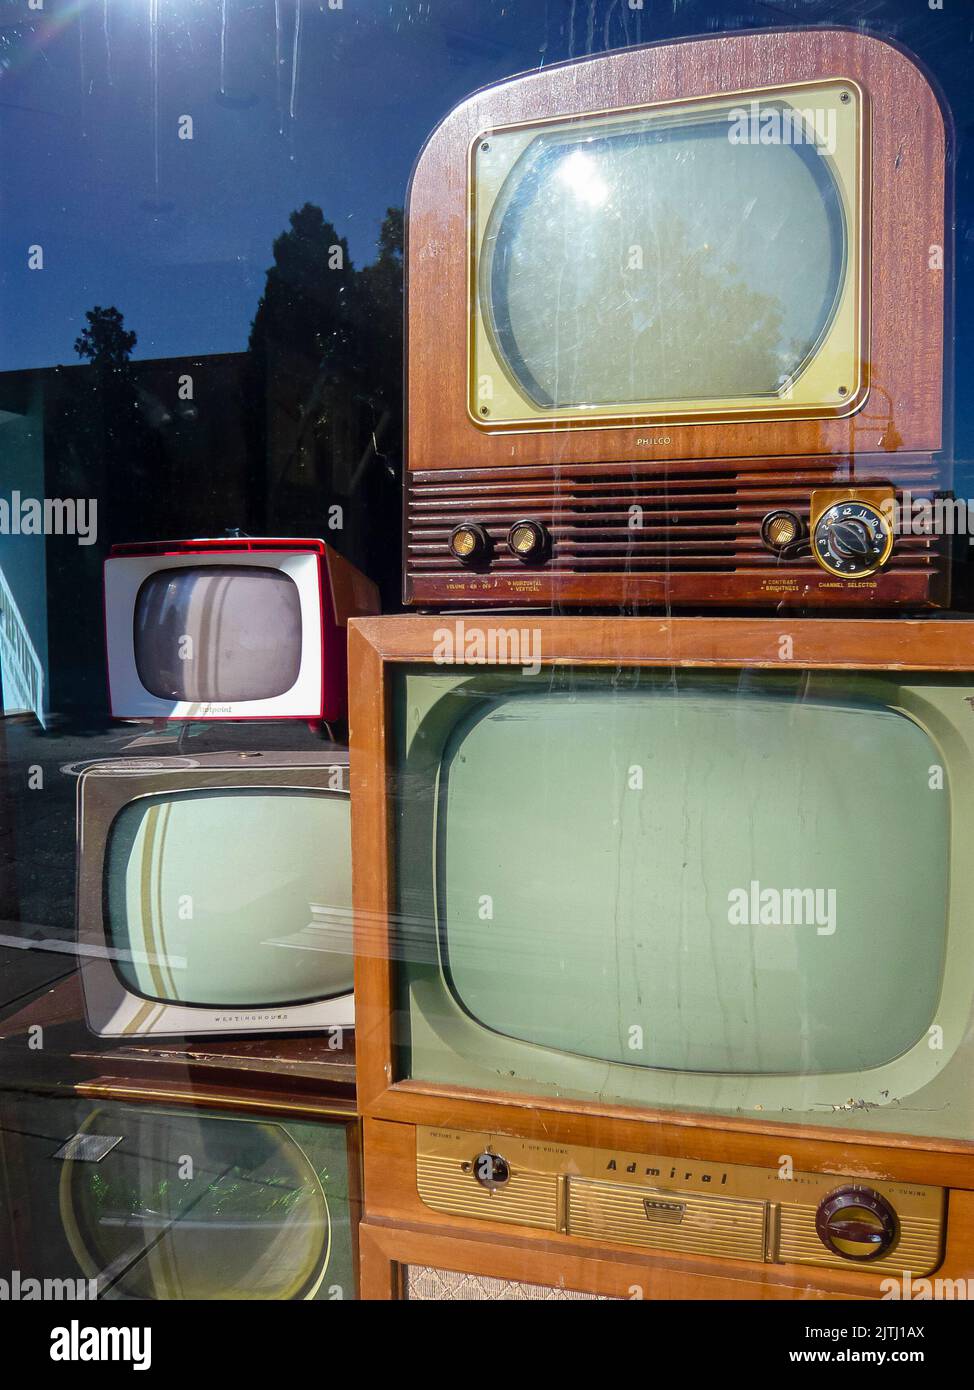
(324,391)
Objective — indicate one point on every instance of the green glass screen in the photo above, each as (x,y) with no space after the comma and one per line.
(591,853)
(235,897)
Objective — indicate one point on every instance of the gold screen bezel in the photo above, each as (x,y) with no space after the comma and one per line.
(840,358)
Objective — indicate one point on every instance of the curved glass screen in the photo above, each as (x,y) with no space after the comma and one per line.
(232,897)
(197,1208)
(700,881)
(662,261)
(218,633)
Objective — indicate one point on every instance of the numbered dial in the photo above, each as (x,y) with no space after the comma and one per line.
(852,539)
(857,1223)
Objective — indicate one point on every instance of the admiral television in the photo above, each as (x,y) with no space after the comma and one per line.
(214,894)
(703,872)
(238,628)
(676,331)
(652,875)
(125,1199)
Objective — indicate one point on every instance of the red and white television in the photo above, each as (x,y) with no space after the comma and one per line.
(235,628)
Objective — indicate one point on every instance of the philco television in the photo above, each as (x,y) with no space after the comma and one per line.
(234,628)
(615,878)
(114,1199)
(668,309)
(214,894)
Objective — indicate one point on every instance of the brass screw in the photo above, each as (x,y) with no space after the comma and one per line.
(844,96)
(485,410)
(843,390)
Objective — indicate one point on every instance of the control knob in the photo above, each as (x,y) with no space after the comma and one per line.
(491,1170)
(852,539)
(857,1223)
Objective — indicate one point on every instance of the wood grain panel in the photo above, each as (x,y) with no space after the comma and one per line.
(902,415)
(908,161)
(376,647)
(399,1228)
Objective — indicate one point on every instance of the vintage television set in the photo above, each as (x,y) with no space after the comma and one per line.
(676,332)
(132,1196)
(214,894)
(662,938)
(232,628)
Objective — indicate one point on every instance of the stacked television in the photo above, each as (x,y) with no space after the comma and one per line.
(213,909)
(664,984)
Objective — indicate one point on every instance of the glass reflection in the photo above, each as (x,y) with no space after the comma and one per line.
(197,1208)
(606,278)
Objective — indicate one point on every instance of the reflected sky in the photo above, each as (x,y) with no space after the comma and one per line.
(757,264)
(292,101)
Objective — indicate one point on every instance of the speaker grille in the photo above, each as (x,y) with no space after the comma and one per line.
(705,519)
(426,1283)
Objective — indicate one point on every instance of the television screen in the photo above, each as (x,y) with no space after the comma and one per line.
(695,258)
(612,905)
(608,276)
(218,633)
(232,897)
(214,893)
(712,890)
(156,1203)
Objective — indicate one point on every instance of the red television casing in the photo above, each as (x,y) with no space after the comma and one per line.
(331,590)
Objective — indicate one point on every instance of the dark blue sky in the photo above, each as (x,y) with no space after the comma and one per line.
(178,233)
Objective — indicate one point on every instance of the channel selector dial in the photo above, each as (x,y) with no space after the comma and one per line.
(852,539)
(856,1223)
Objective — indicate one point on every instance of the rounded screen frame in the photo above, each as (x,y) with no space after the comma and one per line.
(833,382)
(288,591)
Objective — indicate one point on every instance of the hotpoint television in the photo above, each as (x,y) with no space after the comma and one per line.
(669,309)
(131,1200)
(708,877)
(214,894)
(236,628)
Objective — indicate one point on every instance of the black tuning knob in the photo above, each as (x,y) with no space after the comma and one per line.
(857,1223)
(528,541)
(850,538)
(470,543)
(491,1170)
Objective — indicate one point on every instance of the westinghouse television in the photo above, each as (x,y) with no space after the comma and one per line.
(616,879)
(667,309)
(126,1199)
(214,894)
(237,628)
